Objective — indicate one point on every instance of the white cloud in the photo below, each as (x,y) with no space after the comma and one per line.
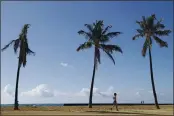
(147,95)
(86,91)
(44,94)
(138,94)
(97,92)
(7,94)
(143,92)
(44,91)
(140,89)
(150,91)
(65,64)
(58,93)
(158,93)
(41,90)
(162,94)
(108,93)
(9,90)
(111,88)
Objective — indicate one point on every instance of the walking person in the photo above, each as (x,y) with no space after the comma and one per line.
(115,101)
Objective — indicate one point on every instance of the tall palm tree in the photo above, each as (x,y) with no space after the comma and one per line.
(151,29)
(97,36)
(22,43)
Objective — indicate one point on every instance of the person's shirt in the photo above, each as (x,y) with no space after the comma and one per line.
(114,98)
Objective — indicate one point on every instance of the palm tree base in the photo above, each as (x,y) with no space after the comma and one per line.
(90,106)
(16,108)
(157,107)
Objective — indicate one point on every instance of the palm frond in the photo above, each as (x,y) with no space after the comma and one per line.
(86,34)
(145,46)
(113,34)
(110,56)
(140,31)
(90,27)
(22,54)
(163,33)
(150,21)
(143,23)
(111,48)
(84,46)
(6,46)
(25,29)
(98,29)
(104,39)
(160,42)
(137,36)
(108,49)
(27,26)
(16,45)
(144,19)
(154,16)
(100,23)
(28,50)
(138,22)
(24,61)
(106,29)
(159,25)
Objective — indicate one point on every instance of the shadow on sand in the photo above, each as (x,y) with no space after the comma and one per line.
(119,112)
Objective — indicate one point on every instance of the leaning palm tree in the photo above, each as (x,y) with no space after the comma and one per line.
(151,29)
(22,43)
(97,36)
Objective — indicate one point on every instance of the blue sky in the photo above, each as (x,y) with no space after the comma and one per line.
(59,74)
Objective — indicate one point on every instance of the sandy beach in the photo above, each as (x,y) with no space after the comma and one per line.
(145,110)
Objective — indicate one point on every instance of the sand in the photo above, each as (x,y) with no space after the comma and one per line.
(145,110)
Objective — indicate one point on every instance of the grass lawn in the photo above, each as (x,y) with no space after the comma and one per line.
(144,110)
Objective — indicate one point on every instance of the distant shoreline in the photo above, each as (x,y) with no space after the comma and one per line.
(81,104)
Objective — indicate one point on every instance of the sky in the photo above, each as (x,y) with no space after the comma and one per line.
(60,74)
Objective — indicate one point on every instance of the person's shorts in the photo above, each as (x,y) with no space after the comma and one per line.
(114,102)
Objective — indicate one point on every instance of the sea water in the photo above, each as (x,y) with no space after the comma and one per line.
(33,105)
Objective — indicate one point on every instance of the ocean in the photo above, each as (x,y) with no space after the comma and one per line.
(82,104)
(33,105)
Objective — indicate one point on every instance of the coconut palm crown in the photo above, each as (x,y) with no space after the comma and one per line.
(151,29)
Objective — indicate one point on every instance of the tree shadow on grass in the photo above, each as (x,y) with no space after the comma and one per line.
(119,112)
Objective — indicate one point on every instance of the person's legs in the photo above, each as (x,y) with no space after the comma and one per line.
(116,106)
(113,105)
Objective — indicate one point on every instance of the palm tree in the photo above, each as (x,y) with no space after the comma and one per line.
(97,36)
(22,43)
(151,29)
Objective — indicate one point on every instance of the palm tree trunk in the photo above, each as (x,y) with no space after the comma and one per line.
(16,90)
(152,80)
(92,82)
